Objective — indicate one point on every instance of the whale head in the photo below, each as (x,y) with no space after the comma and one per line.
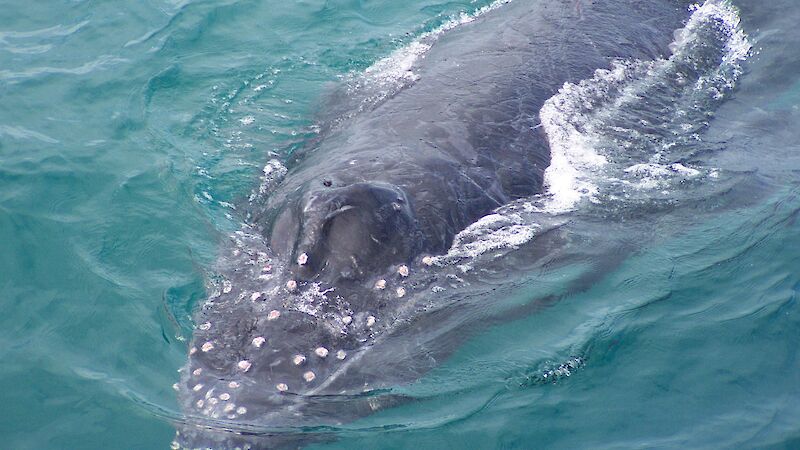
(346,233)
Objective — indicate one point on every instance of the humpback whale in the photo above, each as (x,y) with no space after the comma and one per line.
(334,258)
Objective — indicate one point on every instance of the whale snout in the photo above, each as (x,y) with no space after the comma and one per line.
(346,232)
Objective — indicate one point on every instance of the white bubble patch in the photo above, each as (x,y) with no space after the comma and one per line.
(592,154)
(388,75)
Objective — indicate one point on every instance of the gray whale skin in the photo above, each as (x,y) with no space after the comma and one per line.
(384,188)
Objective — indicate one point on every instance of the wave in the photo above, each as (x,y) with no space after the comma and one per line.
(625,135)
(628,127)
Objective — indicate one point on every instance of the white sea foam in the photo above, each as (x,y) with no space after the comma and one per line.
(594,155)
(577,124)
(273,173)
(396,71)
(501,230)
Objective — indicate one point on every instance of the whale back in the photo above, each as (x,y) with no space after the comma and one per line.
(395,180)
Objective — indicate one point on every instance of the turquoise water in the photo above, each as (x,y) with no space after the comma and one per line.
(130,131)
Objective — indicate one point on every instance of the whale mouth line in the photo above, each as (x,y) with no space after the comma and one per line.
(339,211)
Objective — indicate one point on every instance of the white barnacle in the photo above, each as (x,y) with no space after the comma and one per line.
(197,387)
(302,259)
(224,396)
(226,286)
(200,403)
(175,386)
(241,410)
(174,445)
(401,292)
(233,385)
(298,359)
(370,321)
(309,376)
(291,285)
(205,326)
(341,354)
(282,387)
(403,270)
(259,341)
(321,352)
(244,365)
(346,320)
(193,350)
(380,284)
(207,347)
(427,260)
(197,371)
(255,296)
(274,314)
(212,401)
(229,407)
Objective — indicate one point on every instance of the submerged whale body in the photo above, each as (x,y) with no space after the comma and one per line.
(290,339)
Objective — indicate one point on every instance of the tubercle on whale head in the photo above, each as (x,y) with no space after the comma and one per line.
(345,233)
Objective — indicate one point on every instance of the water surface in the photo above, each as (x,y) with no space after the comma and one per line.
(131,133)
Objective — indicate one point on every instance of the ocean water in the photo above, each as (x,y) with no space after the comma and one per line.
(132,134)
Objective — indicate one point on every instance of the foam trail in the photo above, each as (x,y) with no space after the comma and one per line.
(602,149)
(389,75)
(596,139)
